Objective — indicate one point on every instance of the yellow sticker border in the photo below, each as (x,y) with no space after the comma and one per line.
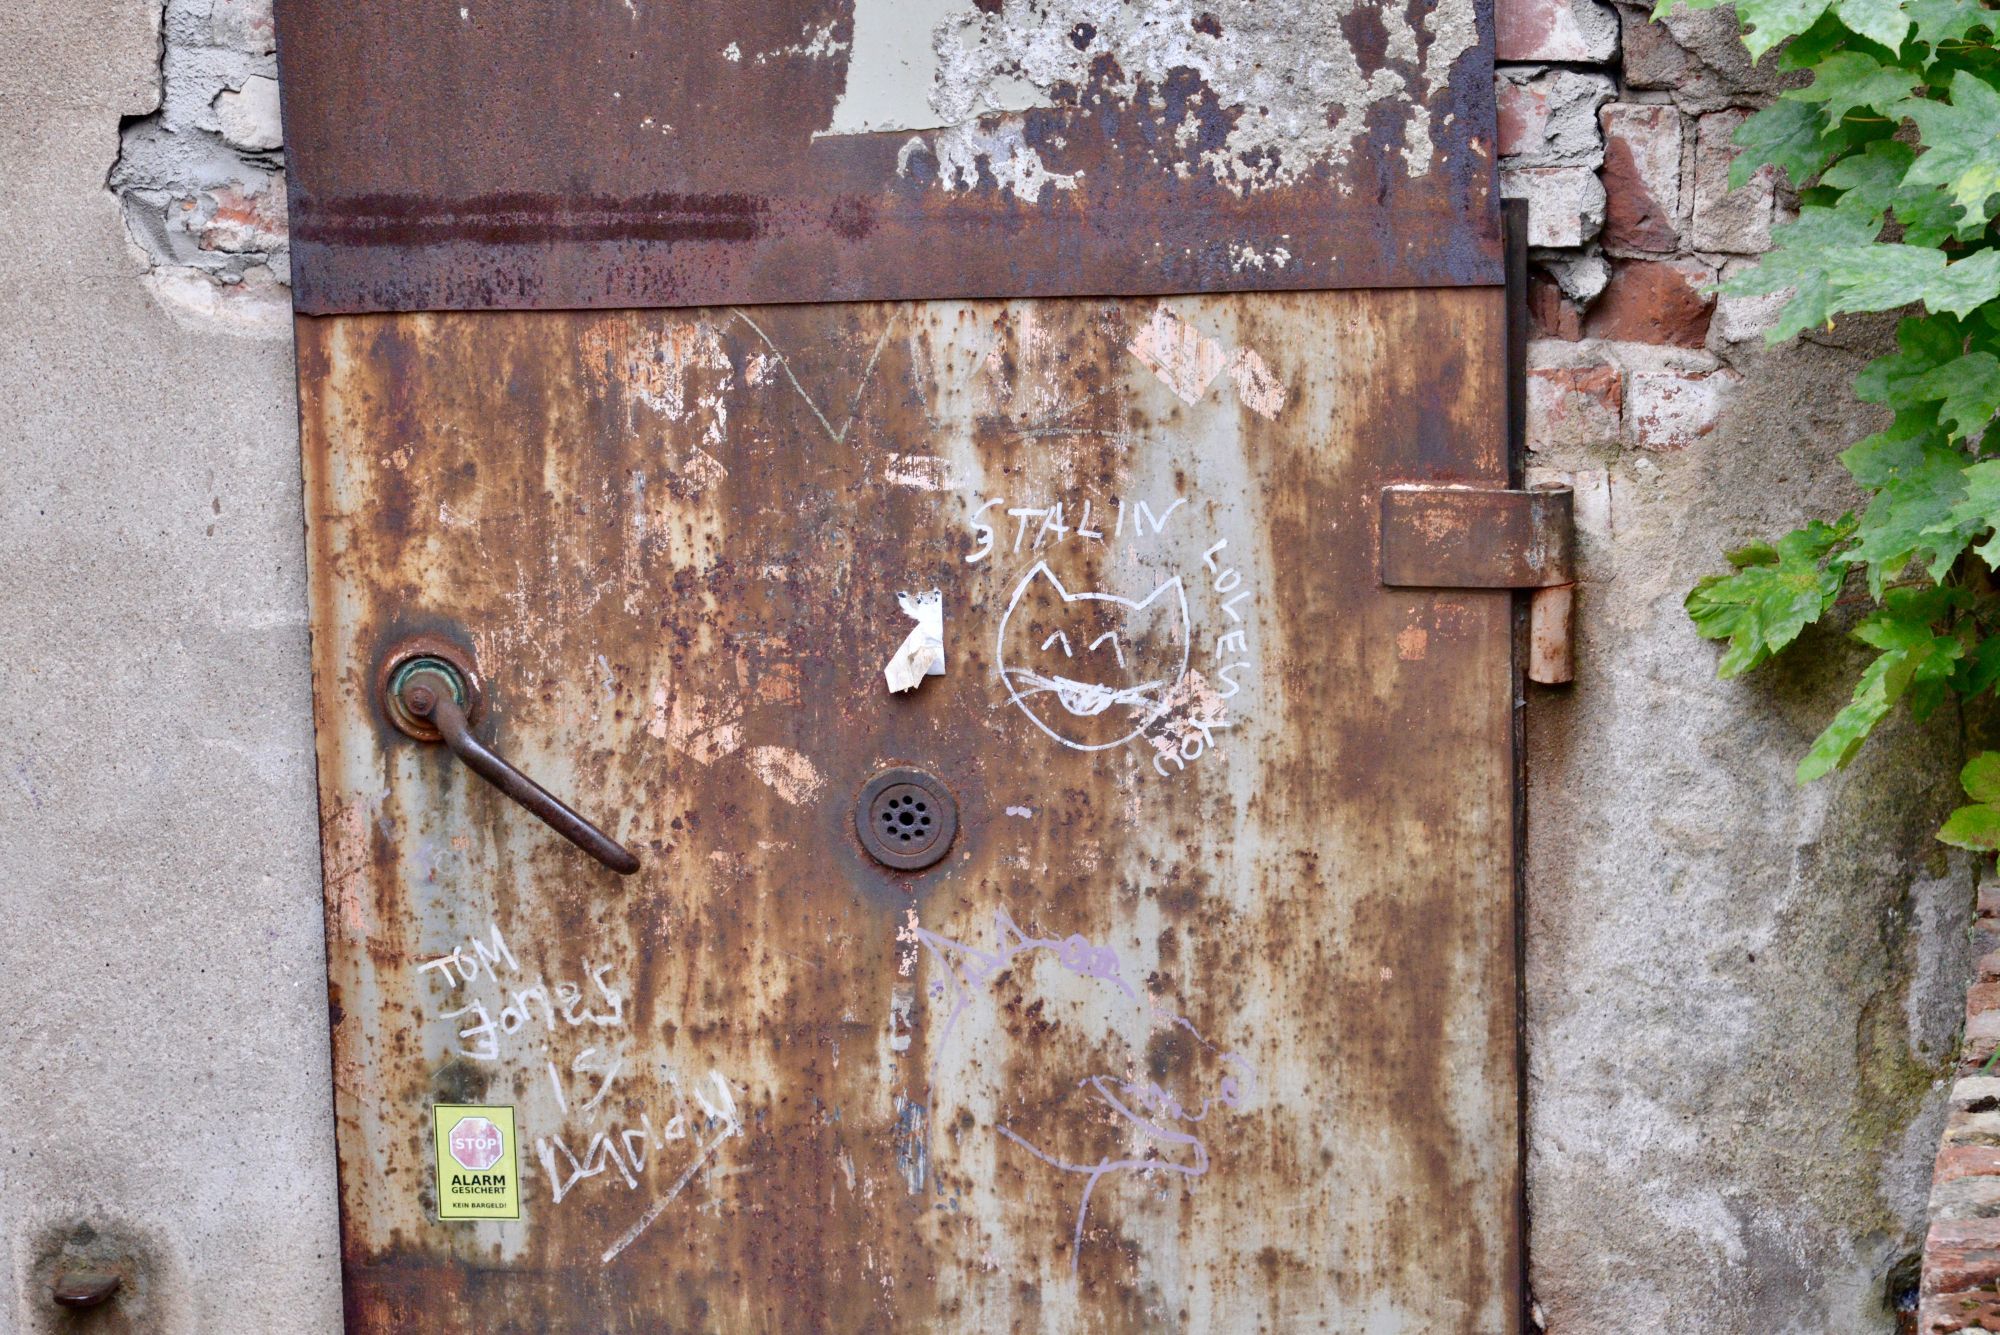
(439,1155)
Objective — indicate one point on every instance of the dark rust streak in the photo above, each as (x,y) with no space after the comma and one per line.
(525,219)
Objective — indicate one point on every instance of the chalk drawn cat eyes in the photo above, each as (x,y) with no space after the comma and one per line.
(1091,669)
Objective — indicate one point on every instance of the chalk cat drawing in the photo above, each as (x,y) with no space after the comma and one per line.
(1105,1085)
(1091,669)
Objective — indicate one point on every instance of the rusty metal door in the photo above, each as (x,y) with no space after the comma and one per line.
(1149,963)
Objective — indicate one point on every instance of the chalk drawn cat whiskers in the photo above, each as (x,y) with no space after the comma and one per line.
(1106,662)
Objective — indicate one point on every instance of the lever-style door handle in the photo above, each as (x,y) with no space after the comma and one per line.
(428,694)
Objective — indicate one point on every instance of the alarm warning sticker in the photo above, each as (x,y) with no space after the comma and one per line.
(478,1166)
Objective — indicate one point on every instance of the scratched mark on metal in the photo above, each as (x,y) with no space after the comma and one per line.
(561,155)
(1207,1020)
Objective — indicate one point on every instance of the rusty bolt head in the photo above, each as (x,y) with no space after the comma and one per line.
(421,700)
(84,1288)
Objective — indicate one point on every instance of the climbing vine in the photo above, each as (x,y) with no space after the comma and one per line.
(1894,146)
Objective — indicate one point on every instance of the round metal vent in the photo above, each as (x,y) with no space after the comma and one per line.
(906,819)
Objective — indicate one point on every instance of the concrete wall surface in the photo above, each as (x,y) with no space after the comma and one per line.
(162,972)
(1743,997)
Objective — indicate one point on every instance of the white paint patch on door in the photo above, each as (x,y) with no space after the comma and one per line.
(1256,384)
(790,774)
(1186,360)
(894,67)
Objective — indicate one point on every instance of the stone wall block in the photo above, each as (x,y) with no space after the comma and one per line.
(1736,222)
(1743,319)
(1652,58)
(1575,406)
(1549,117)
(1556,30)
(248,116)
(1642,178)
(243,25)
(1565,204)
(1671,409)
(1550,312)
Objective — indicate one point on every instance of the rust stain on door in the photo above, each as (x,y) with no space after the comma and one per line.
(1205,1022)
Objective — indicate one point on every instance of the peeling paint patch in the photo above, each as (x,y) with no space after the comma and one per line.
(925,472)
(344,854)
(816,43)
(1256,384)
(658,371)
(1277,90)
(1001,152)
(702,470)
(694,726)
(1189,712)
(1243,257)
(790,774)
(1186,360)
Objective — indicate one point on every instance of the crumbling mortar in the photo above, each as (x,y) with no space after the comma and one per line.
(200,176)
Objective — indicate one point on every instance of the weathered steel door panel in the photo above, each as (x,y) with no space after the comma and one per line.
(1206,1020)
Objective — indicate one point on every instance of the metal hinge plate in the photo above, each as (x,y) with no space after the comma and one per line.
(1441,537)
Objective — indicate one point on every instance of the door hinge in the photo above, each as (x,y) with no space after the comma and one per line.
(1455,537)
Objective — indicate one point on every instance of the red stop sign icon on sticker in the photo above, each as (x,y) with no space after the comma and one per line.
(476,1143)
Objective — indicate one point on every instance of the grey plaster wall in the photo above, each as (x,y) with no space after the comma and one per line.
(162,987)
(1741,995)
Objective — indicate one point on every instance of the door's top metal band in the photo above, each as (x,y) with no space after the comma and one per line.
(605,153)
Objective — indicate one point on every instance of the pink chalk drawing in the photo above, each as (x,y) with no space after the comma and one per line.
(1139,1110)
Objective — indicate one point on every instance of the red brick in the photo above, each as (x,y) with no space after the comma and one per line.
(1961,1254)
(1548,118)
(1654,301)
(1951,1313)
(1982,996)
(245,222)
(1524,111)
(1642,178)
(1552,314)
(1574,405)
(1567,30)
(1956,1161)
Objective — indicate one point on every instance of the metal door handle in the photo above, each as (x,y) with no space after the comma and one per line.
(429,694)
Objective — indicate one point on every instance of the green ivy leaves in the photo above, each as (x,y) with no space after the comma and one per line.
(1850,81)
(1961,141)
(1894,149)
(1915,661)
(1776,592)
(1977,826)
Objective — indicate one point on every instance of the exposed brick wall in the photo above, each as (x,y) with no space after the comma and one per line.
(201,178)
(1618,136)
(1961,1274)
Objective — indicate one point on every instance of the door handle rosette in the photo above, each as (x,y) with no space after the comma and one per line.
(430,695)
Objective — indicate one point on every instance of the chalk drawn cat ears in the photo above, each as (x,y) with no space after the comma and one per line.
(1091,669)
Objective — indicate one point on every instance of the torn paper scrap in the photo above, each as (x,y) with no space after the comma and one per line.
(921,654)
